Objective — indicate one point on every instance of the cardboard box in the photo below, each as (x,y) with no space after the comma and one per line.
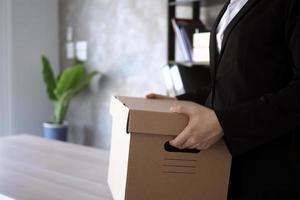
(142,164)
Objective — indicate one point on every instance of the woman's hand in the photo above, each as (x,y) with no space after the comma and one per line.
(158,96)
(202,131)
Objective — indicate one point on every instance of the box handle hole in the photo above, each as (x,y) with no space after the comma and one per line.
(169,148)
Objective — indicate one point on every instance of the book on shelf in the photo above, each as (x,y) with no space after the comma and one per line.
(184,47)
(173,82)
(187,43)
(177,80)
(201,47)
(180,79)
(167,76)
(184,30)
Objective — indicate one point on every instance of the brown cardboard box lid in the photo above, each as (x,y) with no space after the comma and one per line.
(153,116)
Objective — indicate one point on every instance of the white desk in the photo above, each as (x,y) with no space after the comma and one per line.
(33,168)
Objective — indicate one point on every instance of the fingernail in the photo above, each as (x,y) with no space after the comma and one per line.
(173,109)
(172,142)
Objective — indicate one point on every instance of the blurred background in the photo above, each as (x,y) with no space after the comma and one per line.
(126,40)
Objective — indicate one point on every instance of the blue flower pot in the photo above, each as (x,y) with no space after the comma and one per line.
(56,131)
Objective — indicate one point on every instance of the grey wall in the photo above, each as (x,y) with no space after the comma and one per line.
(32,30)
(5,61)
(127,42)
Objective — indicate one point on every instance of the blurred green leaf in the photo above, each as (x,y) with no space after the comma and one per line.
(66,85)
(58,77)
(49,78)
(69,79)
(84,82)
(61,107)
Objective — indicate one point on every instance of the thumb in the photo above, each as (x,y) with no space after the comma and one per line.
(181,110)
(150,96)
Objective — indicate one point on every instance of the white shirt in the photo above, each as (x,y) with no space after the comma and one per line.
(232,10)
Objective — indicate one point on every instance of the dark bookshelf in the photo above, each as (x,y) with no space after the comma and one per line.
(180,2)
(193,75)
(172,4)
(190,2)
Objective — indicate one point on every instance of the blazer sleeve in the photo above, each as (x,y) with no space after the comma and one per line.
(199,96)
(255,123)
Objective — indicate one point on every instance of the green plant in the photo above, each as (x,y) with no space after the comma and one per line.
(65,86)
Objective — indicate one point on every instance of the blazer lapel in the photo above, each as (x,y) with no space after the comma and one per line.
(248,6)
(213,42)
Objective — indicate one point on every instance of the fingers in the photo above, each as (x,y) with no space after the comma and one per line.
(203,145)
(200,132)
(188,143)
(151,96)
(155,96)
(182,110)
(181,139)
(158,96)
(200,146)
(197,146)
(187,139)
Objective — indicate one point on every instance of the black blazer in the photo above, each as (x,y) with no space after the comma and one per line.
(256,95)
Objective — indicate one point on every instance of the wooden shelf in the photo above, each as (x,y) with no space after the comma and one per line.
(189,64)
(183,2)
(190,2)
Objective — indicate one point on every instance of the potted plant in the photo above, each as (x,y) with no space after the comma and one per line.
(61,89)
